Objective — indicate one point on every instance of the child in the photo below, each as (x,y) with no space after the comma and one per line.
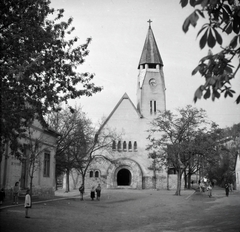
(2,195)
(92,193)
(28,203)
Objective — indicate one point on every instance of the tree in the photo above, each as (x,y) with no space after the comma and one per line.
(222,165)
(64,122)
(39,59)
(34,146)
(170,138)
(94,148)
(34,150)
(223,18)
(79,142)
(203,153)
(79,138)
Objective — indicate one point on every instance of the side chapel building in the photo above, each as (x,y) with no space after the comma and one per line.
(132,169)
(14,170)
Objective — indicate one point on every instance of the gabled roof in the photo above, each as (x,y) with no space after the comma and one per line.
(150,53)
(125,96)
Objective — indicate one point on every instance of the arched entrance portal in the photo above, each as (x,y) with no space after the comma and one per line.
(124,177)
(124,173)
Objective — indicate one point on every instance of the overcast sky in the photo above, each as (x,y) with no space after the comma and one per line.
(118,29)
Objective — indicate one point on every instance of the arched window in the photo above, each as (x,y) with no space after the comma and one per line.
(153,107)
(91,174)
(96,173)
(119,145)
(135,146)
(130,146)
(114,145)
(124,146)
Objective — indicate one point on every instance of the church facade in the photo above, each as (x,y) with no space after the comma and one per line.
(132,167)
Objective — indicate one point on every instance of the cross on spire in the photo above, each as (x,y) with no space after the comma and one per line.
(149,21)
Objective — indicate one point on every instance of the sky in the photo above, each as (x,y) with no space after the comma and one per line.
(118,29)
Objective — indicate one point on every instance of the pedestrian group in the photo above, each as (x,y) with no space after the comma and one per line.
(94,192)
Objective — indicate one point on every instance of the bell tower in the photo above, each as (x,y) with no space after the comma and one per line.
(151,86)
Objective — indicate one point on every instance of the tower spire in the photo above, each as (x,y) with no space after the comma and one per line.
(150,85)
(150,52)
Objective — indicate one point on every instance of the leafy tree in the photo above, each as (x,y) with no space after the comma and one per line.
(170,138)
(197,150)
(222,165)
(223,169)
(38,60)
(223,18)
(204,154)
(232,132)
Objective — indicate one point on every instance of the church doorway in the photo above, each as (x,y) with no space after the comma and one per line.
(124,177)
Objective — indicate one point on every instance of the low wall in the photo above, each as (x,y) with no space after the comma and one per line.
(37,192)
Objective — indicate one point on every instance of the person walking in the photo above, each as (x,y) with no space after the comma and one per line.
(226,189)
(2,196)
(209,188)
(199,185)
(92,194)
(202,187)
(16,193)
(81,190)
(28,203)
(98,191)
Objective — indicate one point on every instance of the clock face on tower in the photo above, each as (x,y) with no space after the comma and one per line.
(152,82)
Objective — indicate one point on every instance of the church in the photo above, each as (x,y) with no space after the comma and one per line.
(132,167)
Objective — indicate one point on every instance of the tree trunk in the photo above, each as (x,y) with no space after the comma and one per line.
(167,180)
(154,174)
(179,175)
(5,166)
(75,181)
(189,180)
(83,180)
(31,184)
(31,172)
(185,180)
(67,181)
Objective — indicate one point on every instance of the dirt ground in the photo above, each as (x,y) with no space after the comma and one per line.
(129,211)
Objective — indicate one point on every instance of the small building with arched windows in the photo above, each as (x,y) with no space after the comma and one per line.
(132,167)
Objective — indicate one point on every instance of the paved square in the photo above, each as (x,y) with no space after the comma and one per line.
(130,210)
